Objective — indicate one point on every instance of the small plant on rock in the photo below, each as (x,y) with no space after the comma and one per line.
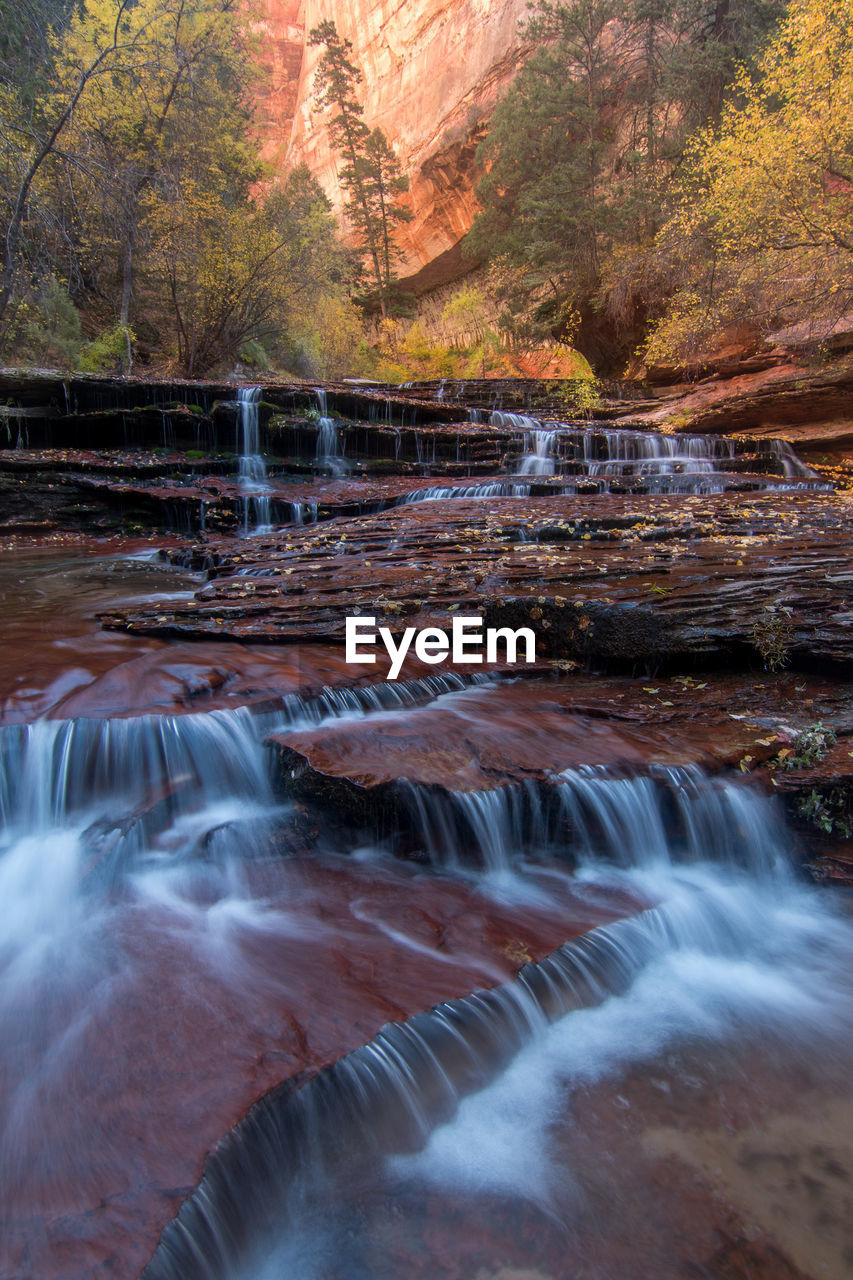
(811,746)
(772,634)
(829,811)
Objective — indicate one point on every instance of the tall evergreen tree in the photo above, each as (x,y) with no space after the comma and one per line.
(370,174)
(583,155)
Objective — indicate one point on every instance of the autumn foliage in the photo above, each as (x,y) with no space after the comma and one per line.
(130,184)
(764,234)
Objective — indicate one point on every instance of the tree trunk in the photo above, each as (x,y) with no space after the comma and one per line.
(126,296)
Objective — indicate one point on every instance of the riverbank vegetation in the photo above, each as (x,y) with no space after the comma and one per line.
(138,219)
(661,178)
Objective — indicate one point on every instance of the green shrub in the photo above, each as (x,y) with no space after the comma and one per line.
(108,352)
(581,395)
(829,811)
(811,746)
(255,354)
(47,330)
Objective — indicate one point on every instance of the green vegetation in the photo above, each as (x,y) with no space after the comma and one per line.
(107,351)
(811,746)
(830,811)
(133,198)
(661,177)
(764,234)
(371,173)
(585,154)
(828,807)
(670,177)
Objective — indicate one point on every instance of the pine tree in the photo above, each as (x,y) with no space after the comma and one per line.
(543,194)
(584,154)
(371,173)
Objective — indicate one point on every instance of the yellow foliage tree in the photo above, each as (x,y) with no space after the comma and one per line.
(130,88)
(765,233)
(142,159)
(237,271)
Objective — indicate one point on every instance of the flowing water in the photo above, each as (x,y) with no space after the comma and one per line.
(328,455)
(657,463)
(183,934)
(150,914)
(538,457)
(463,1103)
(252,468)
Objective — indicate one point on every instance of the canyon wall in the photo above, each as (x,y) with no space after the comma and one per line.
(433,70)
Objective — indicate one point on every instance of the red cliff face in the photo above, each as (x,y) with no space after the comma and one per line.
(433,70)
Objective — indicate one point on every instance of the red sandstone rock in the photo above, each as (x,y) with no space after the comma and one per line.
(432,74)
(612,580)
(487,738)
(194,1021)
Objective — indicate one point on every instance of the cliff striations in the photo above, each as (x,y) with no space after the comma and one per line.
(433,70)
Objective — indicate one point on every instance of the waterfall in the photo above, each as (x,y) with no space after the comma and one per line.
(650,461)
(488,489)
(176,811)
(540,443)
(665,816)
(516,421)
(59,772)
(787,462)
(539,450)
(328,453)
(461,1098)
(253,471)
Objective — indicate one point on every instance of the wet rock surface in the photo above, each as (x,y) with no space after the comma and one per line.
(612,580)
(536,731)
(708,1175)
(335,950)
(660,580)
(802,402)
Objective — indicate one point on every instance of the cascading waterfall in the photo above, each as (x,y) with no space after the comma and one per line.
(655,462)
(89,809)
(135,832)
(787,461)
(253,471)
(162,875)
(589,815)
(448,1098)
(116,784)
(516,421)
(328,453)
(488,489)
(539,447)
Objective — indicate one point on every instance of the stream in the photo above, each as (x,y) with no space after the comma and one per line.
(583,1020)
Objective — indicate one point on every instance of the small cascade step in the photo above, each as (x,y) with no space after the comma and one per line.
(384,1099)
(252,469)
(500,773)
(328,455)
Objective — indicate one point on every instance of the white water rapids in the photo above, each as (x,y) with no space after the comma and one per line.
(137,857)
